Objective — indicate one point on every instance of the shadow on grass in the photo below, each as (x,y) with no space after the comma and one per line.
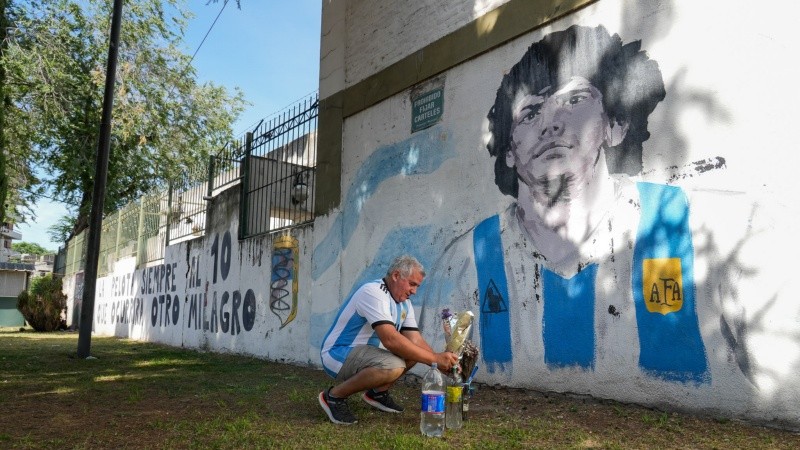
(152,396)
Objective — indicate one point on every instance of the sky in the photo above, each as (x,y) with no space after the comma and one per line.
(268,48)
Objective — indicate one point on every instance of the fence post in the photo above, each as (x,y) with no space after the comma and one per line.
(169,212)
(245,186)
(211,168)
(84,248)
(140,241)
(120,215)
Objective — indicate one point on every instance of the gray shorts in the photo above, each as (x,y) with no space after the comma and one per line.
(364,356)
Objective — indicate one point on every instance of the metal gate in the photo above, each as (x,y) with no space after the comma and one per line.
(279,170)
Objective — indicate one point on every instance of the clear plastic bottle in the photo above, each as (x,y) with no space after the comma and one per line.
(454,398)
(431,422)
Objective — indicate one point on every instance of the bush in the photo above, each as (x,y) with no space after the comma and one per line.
(44,306)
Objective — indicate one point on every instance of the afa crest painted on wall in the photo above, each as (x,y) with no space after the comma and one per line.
(662,279)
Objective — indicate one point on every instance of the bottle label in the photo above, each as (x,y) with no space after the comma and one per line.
(454,394)
(433,402)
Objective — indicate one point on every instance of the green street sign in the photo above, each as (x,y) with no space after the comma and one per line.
(427,109)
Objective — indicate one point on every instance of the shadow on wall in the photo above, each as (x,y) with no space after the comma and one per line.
(422,154)
(663,232)
(741,319)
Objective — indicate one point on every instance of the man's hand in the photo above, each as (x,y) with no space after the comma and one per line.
(410,346)
(446,360)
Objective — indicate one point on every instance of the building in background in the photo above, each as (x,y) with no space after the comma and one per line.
(42,264)
(14,277)
(7,235)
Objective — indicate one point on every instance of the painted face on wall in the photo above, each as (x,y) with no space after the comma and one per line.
(557,135)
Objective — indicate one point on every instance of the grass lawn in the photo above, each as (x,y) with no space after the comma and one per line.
(140,395)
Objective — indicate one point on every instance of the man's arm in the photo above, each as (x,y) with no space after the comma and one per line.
(411,345)
(416,338)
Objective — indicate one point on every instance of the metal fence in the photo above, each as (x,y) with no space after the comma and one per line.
(187,203)
(276,166)
(76,254)
(152,228)
(60,263)
(279,171)
(139,229)
(224,168)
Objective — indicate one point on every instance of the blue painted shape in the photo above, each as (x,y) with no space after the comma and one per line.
(568,323)
(320,325)
(493,291)
(421,154)
(417,241)
(414,241)
(671,347)
(326,252)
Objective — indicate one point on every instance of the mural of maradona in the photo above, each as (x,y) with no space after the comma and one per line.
(586,263)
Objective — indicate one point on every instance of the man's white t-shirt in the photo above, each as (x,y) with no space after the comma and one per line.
(371,305)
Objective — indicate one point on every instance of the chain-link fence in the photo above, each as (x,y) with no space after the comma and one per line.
(152,230)
(76,254)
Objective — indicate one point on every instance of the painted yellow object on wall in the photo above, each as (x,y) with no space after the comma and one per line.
(285,262)
(662,280)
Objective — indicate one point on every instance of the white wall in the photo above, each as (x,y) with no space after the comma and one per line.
(729,96)
(214,293)
(724,135)
(12,282)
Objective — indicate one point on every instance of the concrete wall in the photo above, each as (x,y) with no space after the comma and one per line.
(675,293)
(215,293)
(12,282)
(381,33)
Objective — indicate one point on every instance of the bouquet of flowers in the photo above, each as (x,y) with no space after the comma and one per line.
(457,328)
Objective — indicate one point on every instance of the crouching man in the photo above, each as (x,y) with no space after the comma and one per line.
(374,340)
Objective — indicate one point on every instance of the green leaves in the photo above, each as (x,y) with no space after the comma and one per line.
(30,248)
(44,304)
(163,121)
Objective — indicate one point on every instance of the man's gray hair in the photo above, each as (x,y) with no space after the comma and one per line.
(405,264)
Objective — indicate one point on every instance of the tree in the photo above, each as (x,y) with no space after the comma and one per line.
(163,122)
(9,170)
(30,248)
(3,106)
(45,306)
(19,187)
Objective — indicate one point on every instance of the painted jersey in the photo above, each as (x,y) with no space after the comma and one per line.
(369,306)
(625,298)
